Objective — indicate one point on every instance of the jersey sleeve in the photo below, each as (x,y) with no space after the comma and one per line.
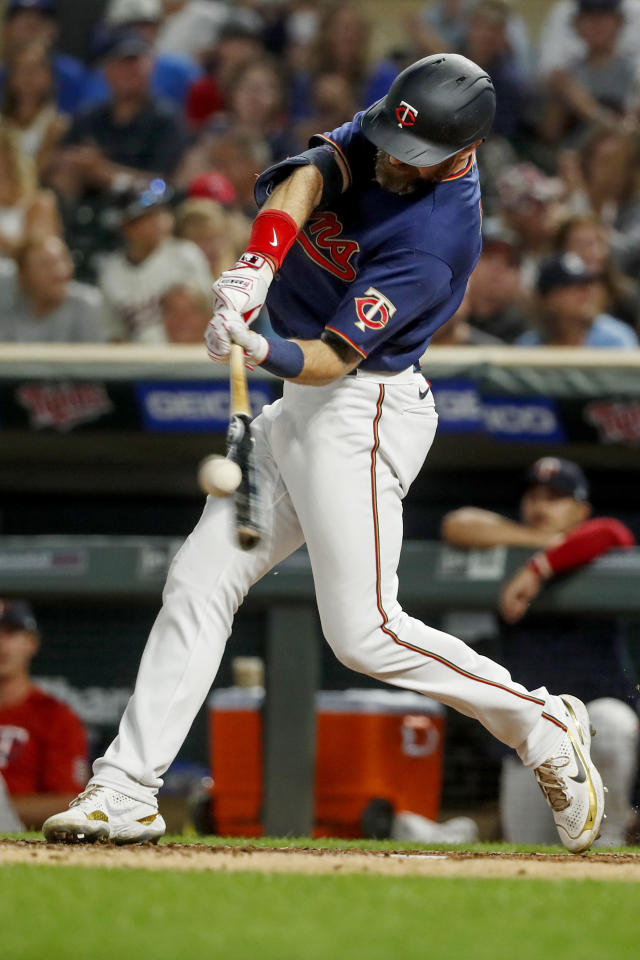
(340,139)
(63,762)
(393,290)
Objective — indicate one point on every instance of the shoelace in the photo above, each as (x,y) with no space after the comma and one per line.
(89,792)
(552,785)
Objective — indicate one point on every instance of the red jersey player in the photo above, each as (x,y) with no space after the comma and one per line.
(43,745)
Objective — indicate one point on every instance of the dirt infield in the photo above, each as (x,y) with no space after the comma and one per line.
(177,856)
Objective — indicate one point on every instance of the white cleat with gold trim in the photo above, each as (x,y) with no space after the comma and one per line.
(571,783)
(100,813)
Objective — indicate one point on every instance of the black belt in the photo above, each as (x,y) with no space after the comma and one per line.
(354,372)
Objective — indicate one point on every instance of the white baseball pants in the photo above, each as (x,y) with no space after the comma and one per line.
(334,464)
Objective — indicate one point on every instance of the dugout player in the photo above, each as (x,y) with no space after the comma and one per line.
(590,654)
(362,249)
(43,745)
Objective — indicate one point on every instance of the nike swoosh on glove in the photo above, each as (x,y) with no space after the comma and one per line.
(255,346)
(244,288)
(216,336)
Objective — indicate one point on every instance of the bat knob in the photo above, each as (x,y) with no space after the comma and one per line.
(247,537)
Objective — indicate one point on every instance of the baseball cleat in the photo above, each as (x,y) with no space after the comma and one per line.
(100,813)
(571,783)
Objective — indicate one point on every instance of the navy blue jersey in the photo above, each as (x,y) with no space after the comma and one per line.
(380,269)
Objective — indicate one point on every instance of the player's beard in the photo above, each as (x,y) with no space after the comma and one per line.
(403,178)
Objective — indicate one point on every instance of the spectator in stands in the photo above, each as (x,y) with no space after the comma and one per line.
(584,235)
(29,110)
(43,745)
(590,656)
(172,74)
(342,46)
(332,103)
(238,156)
(186,311)
(603,179)
(190,27)
(569,301)
(459,332)
(24,208)
(26,20)
(40,302)
(237,44)
(496,300)
(600,86)
(529,204)
(220,234)
(560,42)
(135,279)
(257,107)
(130,136)
(442,26)
(113,147)
(487,44)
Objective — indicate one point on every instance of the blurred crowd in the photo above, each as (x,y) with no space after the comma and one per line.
(126,179)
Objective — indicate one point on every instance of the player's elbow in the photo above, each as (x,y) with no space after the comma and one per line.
(454,528)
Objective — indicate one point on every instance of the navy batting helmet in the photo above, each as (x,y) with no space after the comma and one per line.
(434,108)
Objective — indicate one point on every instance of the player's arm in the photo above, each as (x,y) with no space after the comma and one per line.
(581,546)
(289,193)
(473,528)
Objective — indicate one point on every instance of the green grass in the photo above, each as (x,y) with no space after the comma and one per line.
(60,912)
(335,843)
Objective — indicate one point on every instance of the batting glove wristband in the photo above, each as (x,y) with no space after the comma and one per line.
(243,289)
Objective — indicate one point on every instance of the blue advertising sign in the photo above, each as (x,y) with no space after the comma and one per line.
(193,406)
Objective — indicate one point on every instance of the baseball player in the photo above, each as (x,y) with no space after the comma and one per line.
(555,521)
(362,248)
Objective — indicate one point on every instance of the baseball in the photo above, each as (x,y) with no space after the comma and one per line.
(219,476)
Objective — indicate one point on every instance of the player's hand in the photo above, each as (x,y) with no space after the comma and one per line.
(255,346)
(518,593)
(244,288)
(216,336)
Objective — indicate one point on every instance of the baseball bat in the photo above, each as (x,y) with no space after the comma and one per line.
(240,449)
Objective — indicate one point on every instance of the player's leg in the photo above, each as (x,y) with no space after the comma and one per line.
(206,584)
(524,813)
(357,450)
(615,753)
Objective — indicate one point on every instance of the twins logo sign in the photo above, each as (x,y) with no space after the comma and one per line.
(374,310)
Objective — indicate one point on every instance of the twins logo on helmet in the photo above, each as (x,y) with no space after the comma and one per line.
(374,310)
(406,115)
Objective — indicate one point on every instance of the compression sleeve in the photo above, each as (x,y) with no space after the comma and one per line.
(588,541)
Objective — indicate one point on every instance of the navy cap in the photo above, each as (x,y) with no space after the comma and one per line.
(563,476)
(17,615)
(563,270)
(133,204)
(41,6)
(118,43)
(599,6)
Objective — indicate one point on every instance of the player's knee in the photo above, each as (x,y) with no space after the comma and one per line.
(616,724)
(359,651)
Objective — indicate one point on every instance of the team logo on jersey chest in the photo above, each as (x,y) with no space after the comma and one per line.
(406,115)
(322,240)
(374,310)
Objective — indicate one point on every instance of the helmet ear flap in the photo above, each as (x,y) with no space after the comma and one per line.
(434,108)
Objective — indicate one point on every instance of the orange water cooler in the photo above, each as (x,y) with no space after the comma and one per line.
(369,744)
